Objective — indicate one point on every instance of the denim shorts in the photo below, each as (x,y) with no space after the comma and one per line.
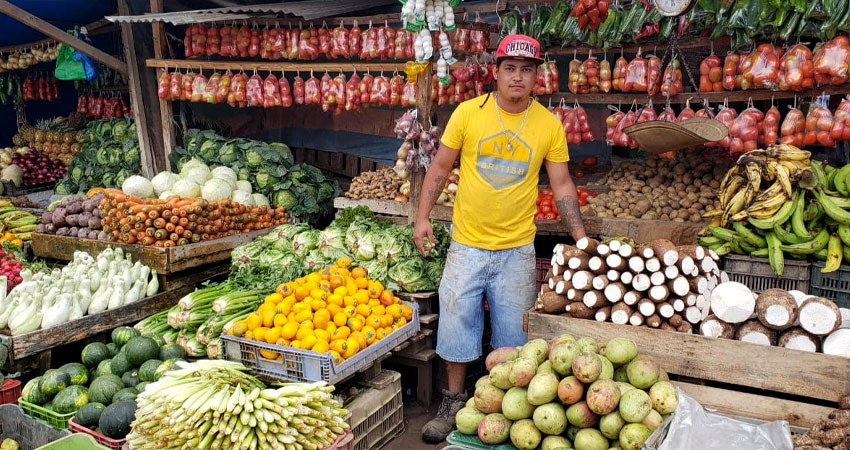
(507,277)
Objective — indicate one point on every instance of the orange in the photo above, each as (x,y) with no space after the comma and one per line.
(301,293)
(340,319)
(321,347)
(321,318)
(358,272)
(253,321)
(407,312)
(341,333)
(273,298)
(260,333)
(269,355)
(344,262)
(360,338)
(289,330)
(373,321)
(273,335)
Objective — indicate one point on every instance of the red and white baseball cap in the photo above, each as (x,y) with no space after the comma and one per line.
(519,46)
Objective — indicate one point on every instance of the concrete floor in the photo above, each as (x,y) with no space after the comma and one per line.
(415,416)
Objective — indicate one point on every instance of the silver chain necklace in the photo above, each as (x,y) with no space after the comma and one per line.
(510,139)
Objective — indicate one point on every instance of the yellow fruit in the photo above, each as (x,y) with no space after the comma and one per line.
(308,324)
(374,302)
(335,299)
(344,262)
(361,283)
(298,307)
(335,281)
(339,346)
(382,332)
(406,313)
(273,298)
(340,319)
(321,318)
(361,297)
(290,317)
(314,277)
(253,321)
(273,335)
(370,334)
(336,356)
(268,317)
(401,321)
(394,311)
(375,289)
(364,310)
(238,329)
(284,308)
(348,300)
(386,320)
(342,291)
(324,286)
(304,316)
(321,347)
(282,342)
(331,327)
(358,272)
(318,294)
(249,335)
(355,323)
(341,333)
(301,293)
(350,311)
(260,333)
(353,347)
(322,335)
(286,289)
(316,305)
(269,355)
(308,342)
(379,310)
(296,344)
(373,321)
(334,309)
(289,330)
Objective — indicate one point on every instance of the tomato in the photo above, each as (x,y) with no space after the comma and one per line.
(582,201)
(538,216)
(546,209)
(579,173)
(549,216)
(589,161)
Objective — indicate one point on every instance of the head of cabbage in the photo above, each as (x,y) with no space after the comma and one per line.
(164,181)
(138,185)
(410,275)
(304,242)
(187,188)
(197,172)
(395,244)
(215,190)
(242,197)
(332,243)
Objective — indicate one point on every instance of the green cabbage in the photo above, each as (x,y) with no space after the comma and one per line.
(375,269)
(410,275)
(285,198)
(332,243)
(247,254)
(314,260)
(395,245)
(304,242)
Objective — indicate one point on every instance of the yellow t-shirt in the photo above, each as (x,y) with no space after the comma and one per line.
(495,202)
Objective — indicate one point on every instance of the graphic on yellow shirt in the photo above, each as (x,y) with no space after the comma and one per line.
(500,166)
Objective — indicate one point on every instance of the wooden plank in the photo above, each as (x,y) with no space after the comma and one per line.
(194,277)
(166,113)
(60,35)
(163,260)
(389,207)
(680,233)
(31,343)
(337,162)
(274,66)
(352,166)
(149,167)
(727,361)
(754,406)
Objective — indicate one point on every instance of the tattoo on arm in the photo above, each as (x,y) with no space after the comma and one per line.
(570,214)
(434,194)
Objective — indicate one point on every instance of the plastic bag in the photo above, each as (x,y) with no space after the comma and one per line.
(278,43)
(588,82)
(761,68)
(213,41)
(239,91)
(163,84)
(175,86)
(479,39)
(769,127)
(460,41)
(68,68)
(400,44)
(686,112)
(285,92)
(339,43)
(396,88)
(380,93)
(199,87)
(636,75)
(188,81)
(611,123)
(308,47)
(672,81)
(831,60)
(744,131)
(796,69)
(223,89)
(726,116)
(338,97)
(324,36)
(243,41)
(298,90)
(620,137)
(368,49)
(667,115)
(574,75)
(254,91)
(554,80)
(408,95)
(355,40)
(730,70)
(294,44)
(694,428)
(254,47)
(212,88)
(818,126)
(325,92)
(653,75)
(271,91)
(583,124)
(366,88)
(647,114)
(605,76)
(619,74)
(841,126)
(572,128)
(382,46)
(793,128)
(312,91)
(711,74)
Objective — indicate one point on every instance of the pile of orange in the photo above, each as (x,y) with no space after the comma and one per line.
(337,309)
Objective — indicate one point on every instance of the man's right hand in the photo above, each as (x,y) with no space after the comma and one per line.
(421,230)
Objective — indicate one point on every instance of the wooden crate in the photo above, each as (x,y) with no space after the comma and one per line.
(763,374)
(163,260)
(23,345)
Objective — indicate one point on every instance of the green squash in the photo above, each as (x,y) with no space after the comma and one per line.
(71,399)
(94,353)
(89,415)
(116,419)
(140,349)
(78,373)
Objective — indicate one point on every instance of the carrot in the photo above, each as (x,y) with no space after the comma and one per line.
(183,213)
(187,234)
(168,244)
(139,225)
(174,219)
(160,234)
(153,214)
(150,231)
(169,227)
(166,213)
(174,237)
(205,236)
(178,229)
(148,240)
(183,241)
(159,223)
(183,221)
(184,202)
(149,223)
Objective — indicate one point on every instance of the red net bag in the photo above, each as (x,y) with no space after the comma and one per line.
(711,74)
(271,91)
(686,112)
(744,131)
(726,116)
(212,88)
(653,75)
(769,127)
(761,68)
(796,69)
(574,75)
(730,70)
(286,99)
(312,91)
(605,76)
(618,75)
(199,88)
(831,60)
(352,93)
(298,90)
(636,75)
(818,126)
(672,81)
(841,126)
(611,123)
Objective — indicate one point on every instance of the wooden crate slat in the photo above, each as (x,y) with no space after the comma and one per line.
(755,406)
(379,206)
(37,341)
(728,361)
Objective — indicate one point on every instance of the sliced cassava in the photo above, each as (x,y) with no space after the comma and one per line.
(776,309)
(798,339)
(819,316)
(754,332)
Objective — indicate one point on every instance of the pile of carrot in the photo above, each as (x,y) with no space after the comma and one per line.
(177,221)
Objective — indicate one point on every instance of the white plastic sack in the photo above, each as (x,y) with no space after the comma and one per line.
(694,428)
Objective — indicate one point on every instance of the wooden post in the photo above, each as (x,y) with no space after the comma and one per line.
(149,164)
(423,108)
(165,107)
(60,35)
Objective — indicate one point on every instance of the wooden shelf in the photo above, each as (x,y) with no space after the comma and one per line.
(625,99)
(348,66)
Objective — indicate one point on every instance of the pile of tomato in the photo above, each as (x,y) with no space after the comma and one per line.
(548,210)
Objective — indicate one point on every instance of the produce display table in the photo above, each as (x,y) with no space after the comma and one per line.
(813,379)
(43,340)
(164,260)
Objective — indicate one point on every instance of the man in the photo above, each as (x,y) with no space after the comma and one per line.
(502,139)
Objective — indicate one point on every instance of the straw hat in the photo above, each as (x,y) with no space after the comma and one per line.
(661,137)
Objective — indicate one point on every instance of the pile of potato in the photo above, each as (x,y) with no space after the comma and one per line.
(653,188)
